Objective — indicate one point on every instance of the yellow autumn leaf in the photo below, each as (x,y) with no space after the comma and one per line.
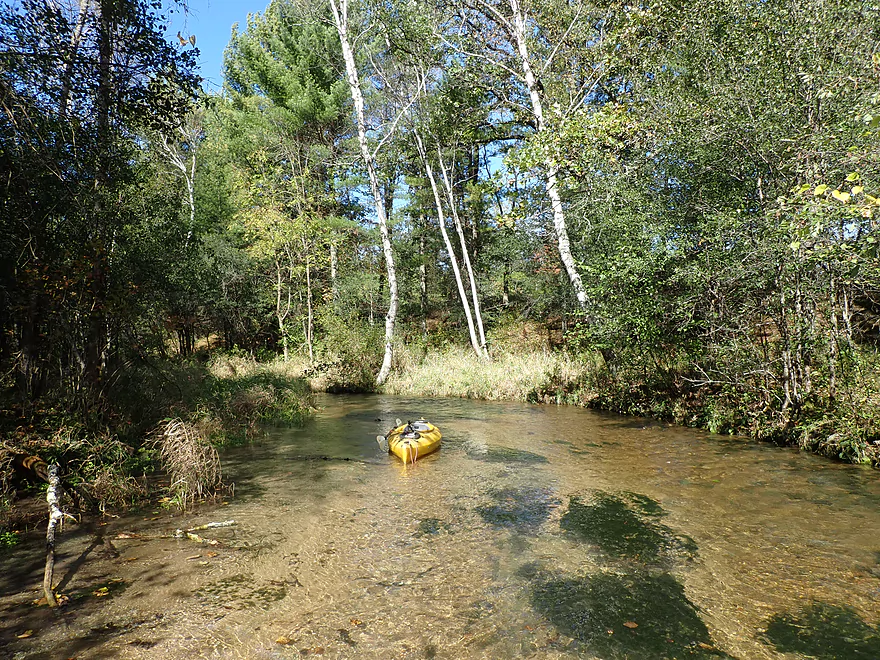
(840,196)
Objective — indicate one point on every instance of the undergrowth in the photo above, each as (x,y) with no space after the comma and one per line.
(110,454)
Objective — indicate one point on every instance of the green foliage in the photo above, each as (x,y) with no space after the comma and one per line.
(348,354)
(9,539)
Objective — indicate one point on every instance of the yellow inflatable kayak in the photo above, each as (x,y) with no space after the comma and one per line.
(411,441)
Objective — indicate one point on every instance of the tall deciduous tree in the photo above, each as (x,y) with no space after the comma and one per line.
(341,17)
(80,82)
(499,33)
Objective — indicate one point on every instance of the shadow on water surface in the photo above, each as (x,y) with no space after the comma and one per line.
(625,526)
(482,451)
(522,510)
(637,616)
(825,632)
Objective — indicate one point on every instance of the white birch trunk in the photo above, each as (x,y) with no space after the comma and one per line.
(423,285)
(75,39)
(281,314)
(551,183)
(465,255)
(340,16)
(53,496)
(438,202)
(334,269)
(310,312)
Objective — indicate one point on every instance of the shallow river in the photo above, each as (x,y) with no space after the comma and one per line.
(535,532)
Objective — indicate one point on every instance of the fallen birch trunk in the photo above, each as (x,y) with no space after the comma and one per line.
(181,533)
(55,517)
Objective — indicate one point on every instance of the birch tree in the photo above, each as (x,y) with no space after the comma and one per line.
(479,347)
(340,9)
(465,253)
(499,34)
(178,146)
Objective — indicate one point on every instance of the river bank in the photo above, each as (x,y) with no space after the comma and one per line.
(227,398)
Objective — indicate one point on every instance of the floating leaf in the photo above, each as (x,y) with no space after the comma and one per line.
(283,640)
(631,624)
(25,634)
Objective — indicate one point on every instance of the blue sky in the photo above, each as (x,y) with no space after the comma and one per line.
(211,21)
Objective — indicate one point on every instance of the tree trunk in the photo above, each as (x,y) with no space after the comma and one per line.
(334,268)
(97,324)
(478,317)
(453,260)
(551,183)
(340,16)
(423,284)
(75,39)
(310,313)
(281,313)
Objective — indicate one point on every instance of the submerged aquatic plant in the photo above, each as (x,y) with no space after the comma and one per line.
(824,631)
(638,616)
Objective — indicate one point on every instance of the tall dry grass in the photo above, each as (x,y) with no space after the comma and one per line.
(458,372)
(191,462)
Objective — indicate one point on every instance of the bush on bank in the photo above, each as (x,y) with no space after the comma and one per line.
(224,398)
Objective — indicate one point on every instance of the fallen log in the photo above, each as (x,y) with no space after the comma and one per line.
(56,516)
(181,533)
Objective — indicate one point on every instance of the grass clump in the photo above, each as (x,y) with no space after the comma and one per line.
(191,462)
(241,394)
(107,454)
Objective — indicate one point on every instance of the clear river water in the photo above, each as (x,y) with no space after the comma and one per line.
(535,532)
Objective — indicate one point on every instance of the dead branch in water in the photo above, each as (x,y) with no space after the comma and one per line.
(56,516)
(181,533)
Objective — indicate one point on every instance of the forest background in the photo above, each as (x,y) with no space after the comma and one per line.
(660,209)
